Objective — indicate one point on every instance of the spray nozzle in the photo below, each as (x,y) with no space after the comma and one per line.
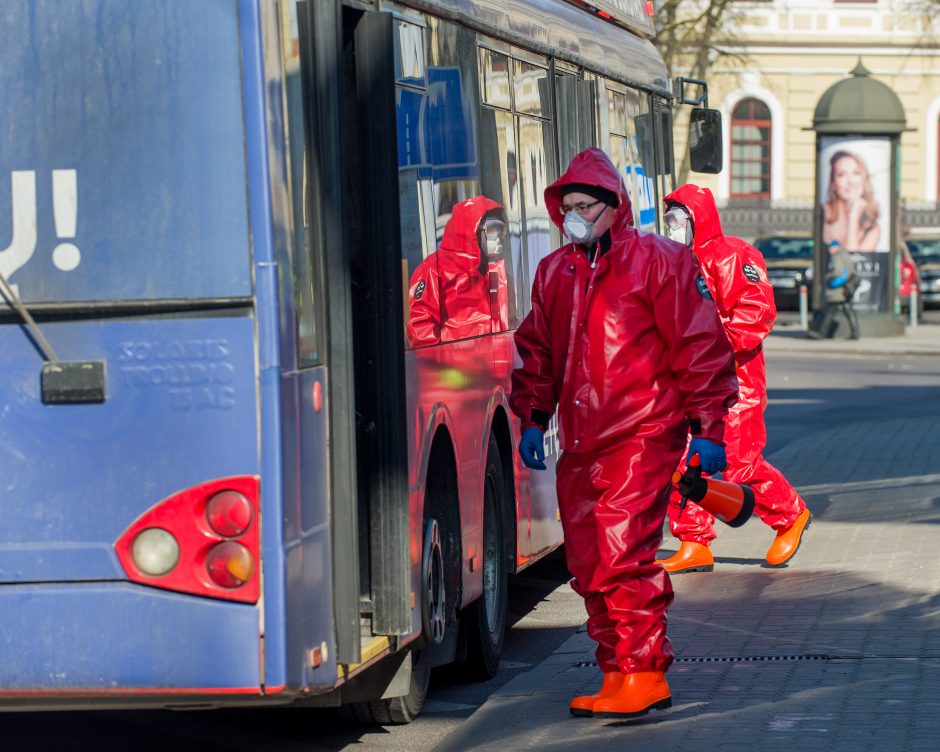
(686,481)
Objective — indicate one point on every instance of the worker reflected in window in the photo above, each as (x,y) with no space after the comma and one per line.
(461,289)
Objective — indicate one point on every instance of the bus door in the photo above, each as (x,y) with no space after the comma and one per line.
(352,200)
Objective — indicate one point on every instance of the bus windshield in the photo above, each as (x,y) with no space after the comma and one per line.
(122,171)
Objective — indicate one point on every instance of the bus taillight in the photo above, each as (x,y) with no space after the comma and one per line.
(229,513)
(230,564)
(204,540)
(155,551)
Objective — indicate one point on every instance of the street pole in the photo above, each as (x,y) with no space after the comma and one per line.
(804,308)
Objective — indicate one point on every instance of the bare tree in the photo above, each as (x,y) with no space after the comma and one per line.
(692,36)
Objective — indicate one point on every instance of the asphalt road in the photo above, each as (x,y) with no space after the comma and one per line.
(807,393)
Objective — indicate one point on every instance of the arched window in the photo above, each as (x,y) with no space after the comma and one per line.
(750,150)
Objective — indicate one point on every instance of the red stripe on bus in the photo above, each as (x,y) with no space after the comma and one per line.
(109,692)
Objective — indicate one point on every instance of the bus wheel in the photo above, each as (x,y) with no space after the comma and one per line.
(434,597)
(487,617)
(395,710)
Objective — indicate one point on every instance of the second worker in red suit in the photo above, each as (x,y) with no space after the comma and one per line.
(461,290)
(735,277)
(621,342)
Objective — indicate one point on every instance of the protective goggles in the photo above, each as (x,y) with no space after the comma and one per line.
(677,218)
(493,228)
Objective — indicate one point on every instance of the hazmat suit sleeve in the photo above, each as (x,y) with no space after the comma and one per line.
(533,396)
(699,352)
(424,318)
(744,296)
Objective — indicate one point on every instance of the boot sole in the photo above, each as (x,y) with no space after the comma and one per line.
(661,705)
(581,712)
(795,550)
(701,568)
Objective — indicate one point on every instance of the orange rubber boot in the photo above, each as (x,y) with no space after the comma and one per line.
(691,557)
(583,705)
(639,693)
(787,542)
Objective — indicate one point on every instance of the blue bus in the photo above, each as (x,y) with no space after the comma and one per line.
(230,476)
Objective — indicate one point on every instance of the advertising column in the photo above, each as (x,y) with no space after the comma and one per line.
(854,192)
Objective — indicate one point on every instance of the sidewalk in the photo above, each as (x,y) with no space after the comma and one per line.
(839,651)
(919,340)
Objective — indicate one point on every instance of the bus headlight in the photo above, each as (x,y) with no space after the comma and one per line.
(155,552)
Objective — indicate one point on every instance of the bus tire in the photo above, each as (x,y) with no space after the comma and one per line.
(395,711)
(488,616)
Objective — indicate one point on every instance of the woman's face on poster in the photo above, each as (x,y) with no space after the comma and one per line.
(848,178)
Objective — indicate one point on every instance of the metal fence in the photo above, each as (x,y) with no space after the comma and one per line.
(751,220)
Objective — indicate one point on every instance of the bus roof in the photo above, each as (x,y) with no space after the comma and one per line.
(557,28)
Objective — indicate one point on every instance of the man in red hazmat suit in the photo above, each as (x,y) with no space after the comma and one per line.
(460,290)
(620,341)
(735,277)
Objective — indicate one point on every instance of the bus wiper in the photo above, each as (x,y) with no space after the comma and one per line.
(62,382)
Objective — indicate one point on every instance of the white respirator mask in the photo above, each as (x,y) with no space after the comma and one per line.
(578,229)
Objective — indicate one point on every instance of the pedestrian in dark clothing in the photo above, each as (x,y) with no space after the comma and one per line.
(841,283)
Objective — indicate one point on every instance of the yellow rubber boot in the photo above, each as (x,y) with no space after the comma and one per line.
(583,705)
(691,557)
(638,694)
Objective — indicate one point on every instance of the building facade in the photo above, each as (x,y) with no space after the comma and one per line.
(782,55)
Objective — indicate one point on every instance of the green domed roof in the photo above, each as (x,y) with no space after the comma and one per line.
(859,104)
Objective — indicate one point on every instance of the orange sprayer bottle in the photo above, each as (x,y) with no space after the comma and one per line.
(731,503)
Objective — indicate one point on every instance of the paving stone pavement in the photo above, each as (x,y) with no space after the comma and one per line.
(840,651)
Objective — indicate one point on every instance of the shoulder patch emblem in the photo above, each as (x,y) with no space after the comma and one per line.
(702,287)
(419,290)
(752,273)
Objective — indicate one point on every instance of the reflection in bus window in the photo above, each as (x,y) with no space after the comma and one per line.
(409,54)
(451,75)
(304,267)
(500,179)
(461,290)
(536,152)
(632,155)
(494,78)
(530,87)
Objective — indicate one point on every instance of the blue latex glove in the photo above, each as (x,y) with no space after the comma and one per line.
(532,448)
(711,455)
(838,281)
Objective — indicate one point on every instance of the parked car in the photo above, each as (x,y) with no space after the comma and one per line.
(925,252)
(789,260)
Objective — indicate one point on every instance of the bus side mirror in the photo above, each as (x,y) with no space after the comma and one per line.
(705,150)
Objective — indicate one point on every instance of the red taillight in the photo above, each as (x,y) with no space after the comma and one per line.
(230,565)
(229,513)
(217,528)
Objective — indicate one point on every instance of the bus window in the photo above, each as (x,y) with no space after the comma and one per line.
(306,294)
(530,89)
(409,54)
(415,171)
(574,119)
(500,181)
(629,154)
(538,171)
(452,93)
(663,120)
(494,79)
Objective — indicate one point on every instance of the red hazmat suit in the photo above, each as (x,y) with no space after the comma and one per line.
(455,293)
(736,277)
(630,353)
